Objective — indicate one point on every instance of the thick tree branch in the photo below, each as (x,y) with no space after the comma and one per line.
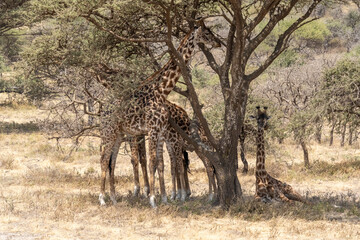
(267,5)
(283,41)
(273,21)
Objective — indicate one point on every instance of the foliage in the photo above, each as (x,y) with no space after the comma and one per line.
(340,91)
(288,58)
(345,31)
(10,14)
(313,34)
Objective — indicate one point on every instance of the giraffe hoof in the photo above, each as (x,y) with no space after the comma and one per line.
(183,195)
(152,201)
(102,200)
(136,191)
(188,194)
(164,199)
(211,197)
(173,196)
(113,199)
(146,191)
(178,196)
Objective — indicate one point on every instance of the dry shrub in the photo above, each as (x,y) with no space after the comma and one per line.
(7,162)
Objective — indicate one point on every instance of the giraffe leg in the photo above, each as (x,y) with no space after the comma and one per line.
(135,162)
(173,170)
(178,182)
(105,163)
(152,168)
(262,190)
(112,165)
(242,153)
(180,164)
(142,157)
(214,194)
(291,194)
(211,177)
(159,155)
(186,166)
(244,161)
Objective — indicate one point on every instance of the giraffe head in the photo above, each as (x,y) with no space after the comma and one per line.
(261,118)
(204,35)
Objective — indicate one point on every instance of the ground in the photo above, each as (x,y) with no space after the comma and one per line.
(44,194)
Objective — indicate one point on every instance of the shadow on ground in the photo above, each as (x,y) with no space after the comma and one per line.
(330,207)
(13,127)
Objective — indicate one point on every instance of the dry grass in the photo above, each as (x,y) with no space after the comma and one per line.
(46,195)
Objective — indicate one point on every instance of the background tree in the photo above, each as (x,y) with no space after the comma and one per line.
(340,95)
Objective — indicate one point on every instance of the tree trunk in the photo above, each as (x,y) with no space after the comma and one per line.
(332,134)
(306,153)
(318,133)
(228,186)
(91,110)
(351,132)
(343,132)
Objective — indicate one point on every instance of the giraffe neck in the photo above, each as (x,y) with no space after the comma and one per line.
(260,152)
(171,72)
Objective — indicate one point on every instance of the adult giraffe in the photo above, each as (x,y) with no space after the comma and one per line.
(147,114)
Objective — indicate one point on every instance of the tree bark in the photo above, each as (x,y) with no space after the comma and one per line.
(306,153)
(355,134)
(332,134)
(318,132)
(91,110)
(229,186)
(343,132)
(351,133)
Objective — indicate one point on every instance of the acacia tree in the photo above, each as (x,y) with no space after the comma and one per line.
(339,95)
(244,36)
(153,25)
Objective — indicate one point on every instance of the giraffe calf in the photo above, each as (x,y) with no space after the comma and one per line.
(269,188)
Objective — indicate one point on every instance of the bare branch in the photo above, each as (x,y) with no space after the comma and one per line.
(282,42)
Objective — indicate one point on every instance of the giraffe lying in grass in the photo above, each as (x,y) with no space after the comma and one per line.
(269,188)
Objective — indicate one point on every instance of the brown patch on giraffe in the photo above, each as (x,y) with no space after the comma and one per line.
(170,85)
(172,75)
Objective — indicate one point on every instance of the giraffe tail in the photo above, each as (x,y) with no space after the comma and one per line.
(186,161)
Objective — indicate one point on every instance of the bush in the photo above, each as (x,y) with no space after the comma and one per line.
(35,89)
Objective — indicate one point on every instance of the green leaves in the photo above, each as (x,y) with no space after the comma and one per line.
(341,89)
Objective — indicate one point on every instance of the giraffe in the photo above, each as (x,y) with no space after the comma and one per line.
(147,114)
(178,145)
(267,187)
(138,155)
(175,146)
